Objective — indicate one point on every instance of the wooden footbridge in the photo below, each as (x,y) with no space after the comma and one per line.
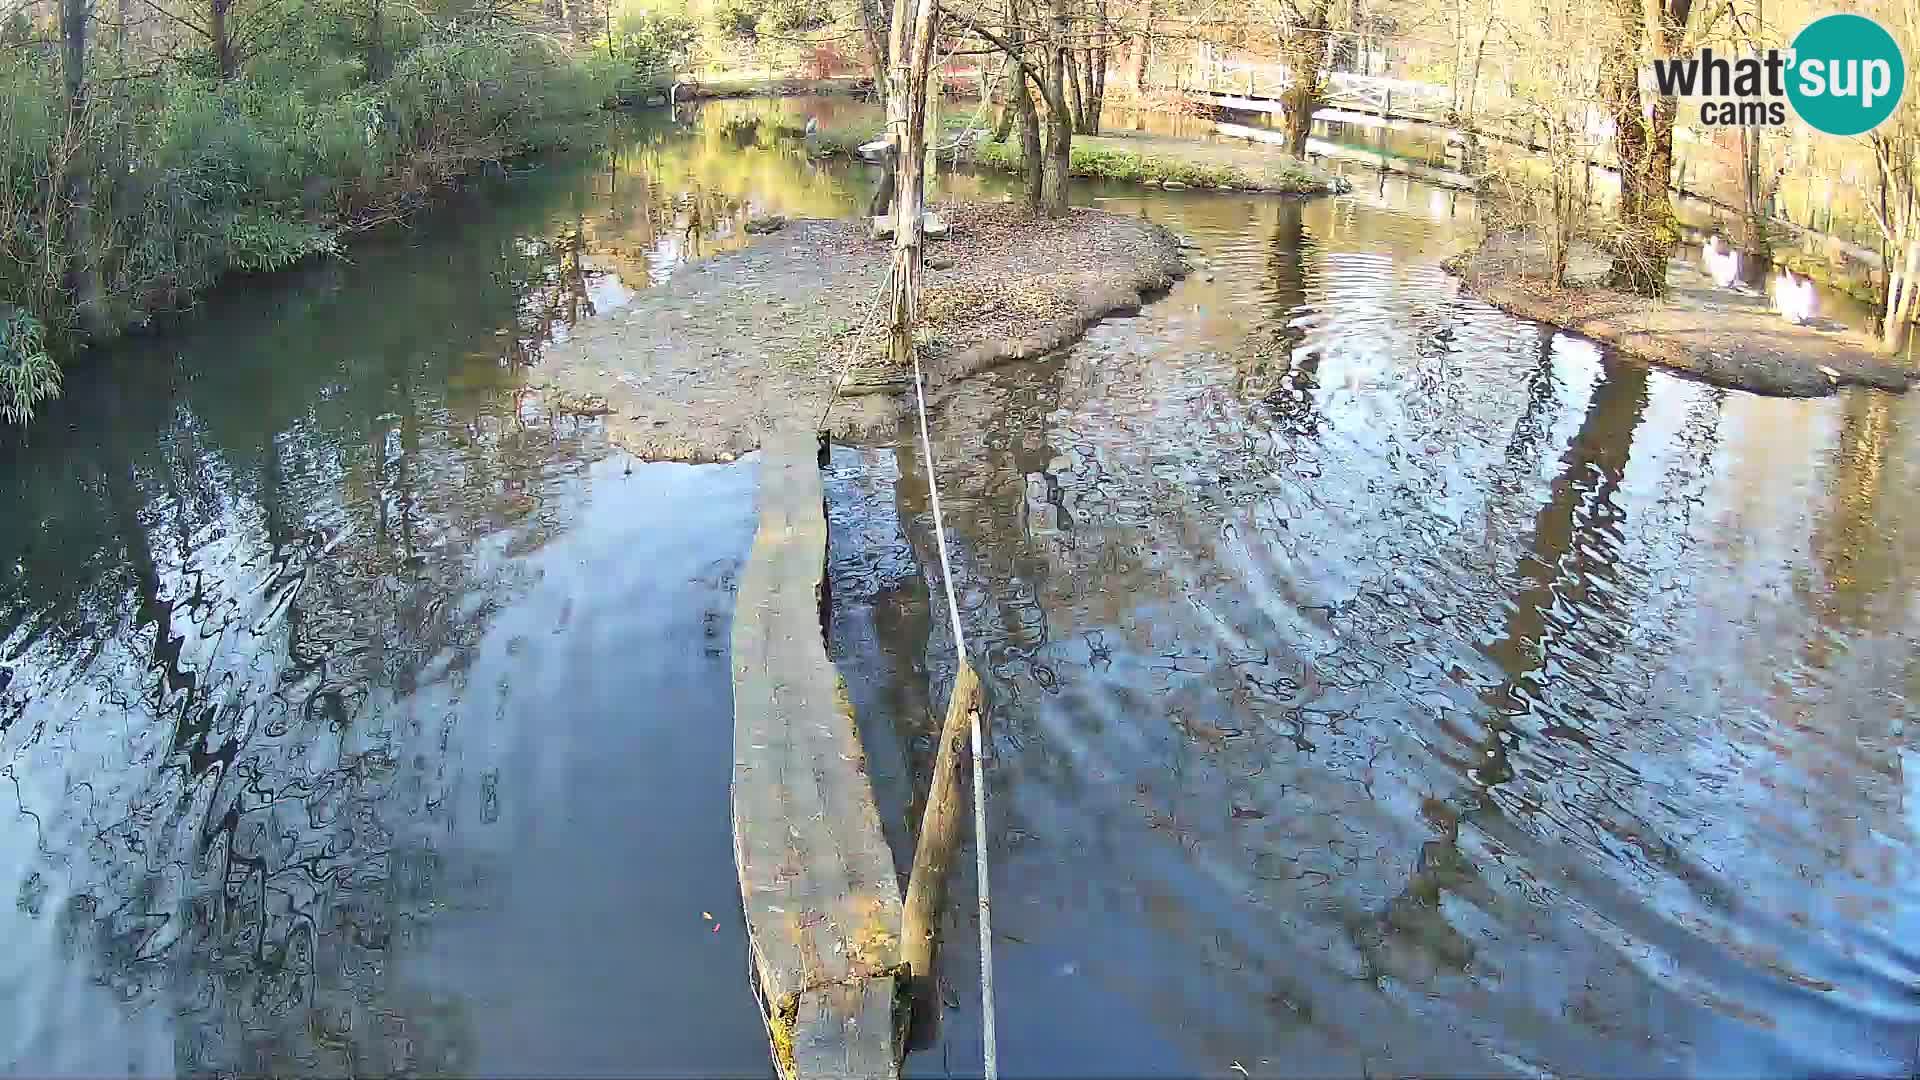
(817,883)
(1258,87)
(837,955)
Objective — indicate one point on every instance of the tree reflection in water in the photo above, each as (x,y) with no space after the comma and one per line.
(1396,721)
(235,577)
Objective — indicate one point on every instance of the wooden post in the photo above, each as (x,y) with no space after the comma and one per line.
(939,838)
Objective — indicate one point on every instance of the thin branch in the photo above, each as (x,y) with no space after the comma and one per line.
(179,19)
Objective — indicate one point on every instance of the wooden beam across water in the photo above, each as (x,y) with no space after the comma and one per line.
(817,879)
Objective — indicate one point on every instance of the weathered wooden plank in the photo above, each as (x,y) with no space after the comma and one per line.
(817,880)
(846,1030)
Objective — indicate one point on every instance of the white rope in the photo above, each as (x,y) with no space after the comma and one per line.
(987,1041)
(853,349)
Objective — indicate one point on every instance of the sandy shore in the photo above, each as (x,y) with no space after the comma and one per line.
(700,368)
(1720,336)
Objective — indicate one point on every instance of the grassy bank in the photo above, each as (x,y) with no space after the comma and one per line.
(165,183)
(1096,159)
(1171,163)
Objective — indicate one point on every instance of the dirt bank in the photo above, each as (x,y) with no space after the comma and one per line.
(699,368)
(1728,338)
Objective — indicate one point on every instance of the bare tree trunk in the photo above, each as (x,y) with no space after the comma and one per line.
(1898,213)
(223,49)
(1031,160)
(1903,295)
(882,202)
(1076,102)
(1143,48)
(1459,55)
(378,66)
(875,33)
(1097,59)
(911,47)
(1473,76)
(1059,149)
(1058,155)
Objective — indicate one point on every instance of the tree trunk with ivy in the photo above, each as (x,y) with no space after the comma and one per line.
(1032,160)
(1643,143)
(1304,50)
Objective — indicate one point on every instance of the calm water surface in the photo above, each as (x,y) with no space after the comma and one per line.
(1380,683)
(1386,685)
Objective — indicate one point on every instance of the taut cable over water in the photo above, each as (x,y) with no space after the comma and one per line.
(966,689)
(938,833)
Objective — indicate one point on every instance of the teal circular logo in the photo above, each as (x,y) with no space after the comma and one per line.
(1847,74)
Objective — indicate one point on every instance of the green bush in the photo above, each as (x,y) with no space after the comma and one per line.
(654,42)
(191,178)
(27,374)
(1283,174)
(261,240)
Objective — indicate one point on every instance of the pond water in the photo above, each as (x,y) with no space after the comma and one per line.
(1379,683)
